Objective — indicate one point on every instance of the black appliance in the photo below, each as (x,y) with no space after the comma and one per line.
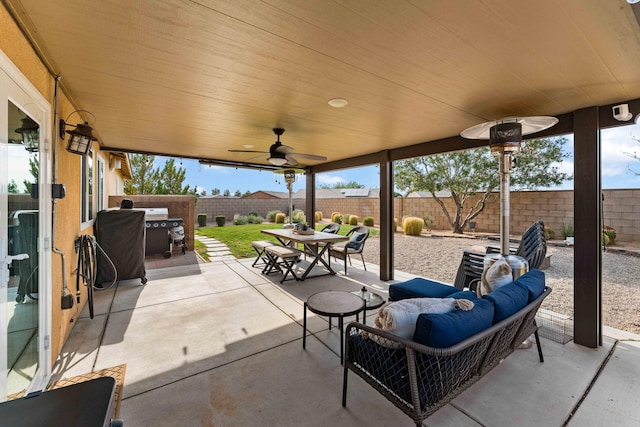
(158,224)
(121,234)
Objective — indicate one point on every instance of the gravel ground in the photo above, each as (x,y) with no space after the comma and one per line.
(438,258)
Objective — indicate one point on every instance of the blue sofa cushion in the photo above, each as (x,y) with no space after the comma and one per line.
(533,281)
(419,288)
(507,300)
(470,295)
(445,330)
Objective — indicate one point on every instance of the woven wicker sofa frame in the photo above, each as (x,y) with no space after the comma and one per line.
(418,379)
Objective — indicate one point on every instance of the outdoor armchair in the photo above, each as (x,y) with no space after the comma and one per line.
(355,245)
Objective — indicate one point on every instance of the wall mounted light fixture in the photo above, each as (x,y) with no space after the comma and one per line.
(30,132)
(81,137)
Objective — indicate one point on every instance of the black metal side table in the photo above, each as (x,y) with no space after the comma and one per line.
(372,301)
(333,304)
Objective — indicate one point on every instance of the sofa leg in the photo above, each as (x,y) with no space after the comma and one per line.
(539,346)
(344,387)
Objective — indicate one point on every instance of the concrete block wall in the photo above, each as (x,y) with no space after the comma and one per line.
(621,210)
(229,206)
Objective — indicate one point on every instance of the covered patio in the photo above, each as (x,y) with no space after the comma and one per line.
(221,344)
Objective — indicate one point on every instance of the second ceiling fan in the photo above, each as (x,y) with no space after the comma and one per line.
(283,155)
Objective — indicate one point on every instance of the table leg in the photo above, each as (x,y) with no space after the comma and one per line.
(341,323)
(304,328)
(317,257)
(364,314)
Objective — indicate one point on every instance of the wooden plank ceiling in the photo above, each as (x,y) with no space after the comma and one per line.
(198,77)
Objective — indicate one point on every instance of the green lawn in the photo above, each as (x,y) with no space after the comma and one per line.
(239,237)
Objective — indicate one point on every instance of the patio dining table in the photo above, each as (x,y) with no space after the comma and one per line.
(312,246)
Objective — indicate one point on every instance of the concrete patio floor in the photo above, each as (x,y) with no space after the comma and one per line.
(220,344)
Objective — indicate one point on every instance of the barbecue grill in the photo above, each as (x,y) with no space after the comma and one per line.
(159,225)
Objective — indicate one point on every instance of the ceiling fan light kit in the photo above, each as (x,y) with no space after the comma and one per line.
(282,155)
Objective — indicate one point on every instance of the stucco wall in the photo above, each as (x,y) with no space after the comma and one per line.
(67,211)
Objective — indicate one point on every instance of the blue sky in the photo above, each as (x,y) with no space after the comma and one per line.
(615,169)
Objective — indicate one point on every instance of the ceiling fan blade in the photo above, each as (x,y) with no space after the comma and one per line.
(255,157)
(247,151)
(308,156)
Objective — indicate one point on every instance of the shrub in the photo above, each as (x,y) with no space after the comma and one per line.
(221,220)
(368,221)
(279,218)
(605,239)
(253,218)
(428,222)
(271,215)
(567,230)
(611,233)
(298,216)
(334,213)
(412,226)
(549,233)
(318,216)
(202,219)
(336,217)
(240,219)
(353,220)
(345,218)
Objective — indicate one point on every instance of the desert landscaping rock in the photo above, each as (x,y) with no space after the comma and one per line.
(438,258)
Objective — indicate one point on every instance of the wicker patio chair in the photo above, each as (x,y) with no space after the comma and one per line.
(355,245)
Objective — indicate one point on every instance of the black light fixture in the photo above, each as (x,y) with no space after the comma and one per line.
(81,136)
(277,158)
(30,132)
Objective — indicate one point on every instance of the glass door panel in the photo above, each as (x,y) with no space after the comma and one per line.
(22,162)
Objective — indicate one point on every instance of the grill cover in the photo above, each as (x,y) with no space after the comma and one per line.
(121,234)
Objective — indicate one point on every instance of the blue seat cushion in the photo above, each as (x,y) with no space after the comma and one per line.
(356,240)
(533,281)
(419,288)
(470,295)
(445,330)
(507,300)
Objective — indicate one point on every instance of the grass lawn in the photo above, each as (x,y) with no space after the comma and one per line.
(239,237)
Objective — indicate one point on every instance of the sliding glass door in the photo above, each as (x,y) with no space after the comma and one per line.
(24,231)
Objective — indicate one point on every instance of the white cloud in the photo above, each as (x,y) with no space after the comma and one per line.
(325,178)
(616,144)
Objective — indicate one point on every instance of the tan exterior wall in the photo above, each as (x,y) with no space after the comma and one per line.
(67,211)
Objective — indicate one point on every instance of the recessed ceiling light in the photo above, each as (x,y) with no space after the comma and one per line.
(248,145)
(338,102)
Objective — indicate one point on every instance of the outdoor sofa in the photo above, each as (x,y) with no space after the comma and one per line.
(449,352)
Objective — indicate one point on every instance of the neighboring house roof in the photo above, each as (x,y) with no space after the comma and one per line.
(125,166)
(336,193)
(439,194)
(267,195)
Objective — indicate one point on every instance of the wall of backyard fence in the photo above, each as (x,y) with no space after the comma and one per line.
(621,210)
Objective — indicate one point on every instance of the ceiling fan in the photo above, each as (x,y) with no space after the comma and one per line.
(282,155)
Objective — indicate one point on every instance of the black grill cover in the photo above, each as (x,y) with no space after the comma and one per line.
(121,234)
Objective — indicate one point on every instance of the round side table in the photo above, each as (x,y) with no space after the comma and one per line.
(372,301)
(333,304)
